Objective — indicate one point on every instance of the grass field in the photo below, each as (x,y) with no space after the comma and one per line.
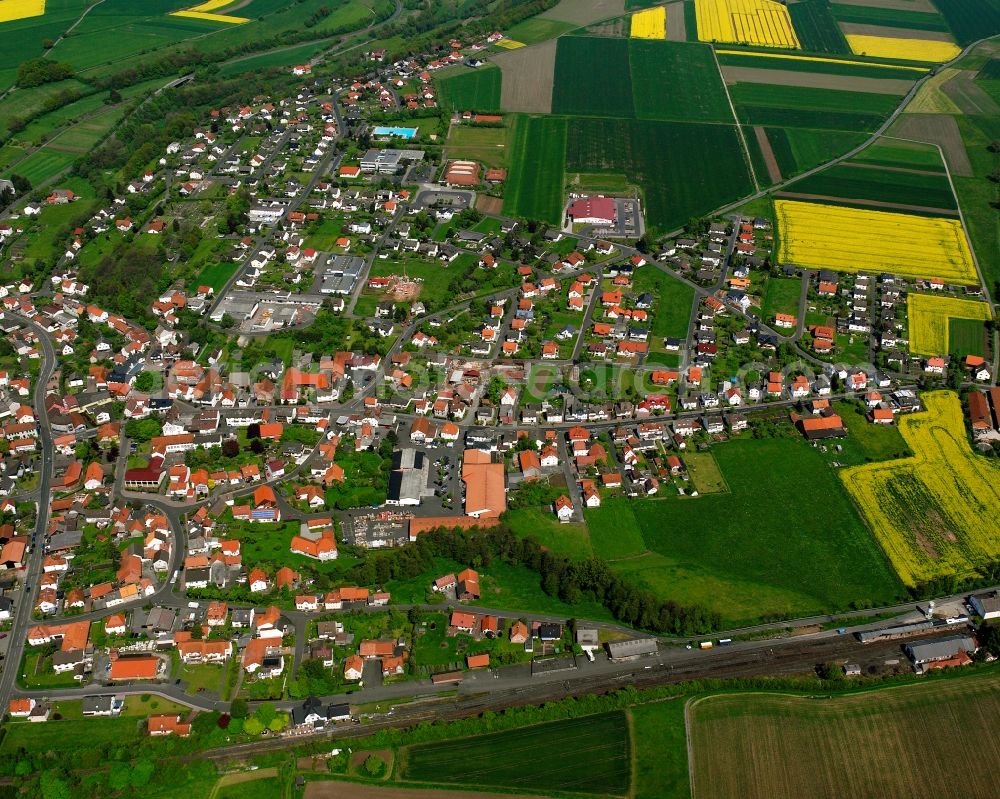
(673,302)
(930,317)
(762,746)
(535,181)
(471,89)
(580,89)
(485,144)
(705,167)
(816,27)
(677,80)
(700,552)
(661,765)
(826,236)
(615,533)
(588,755)
(781,295)
(871,182)
(933,513)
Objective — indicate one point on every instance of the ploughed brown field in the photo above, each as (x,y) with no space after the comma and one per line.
(918,741)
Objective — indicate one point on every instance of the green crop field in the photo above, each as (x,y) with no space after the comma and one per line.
(965,337)
(970,20)
(891,17)
(757,746)
(535,181)
(582,89)
(799,149)
(661,764)
(816,27)
(883,185)
(471,89)
(677,80)
(586,755)
(903,154)
(700,552)
(855,69)
(684,169)
(781,295)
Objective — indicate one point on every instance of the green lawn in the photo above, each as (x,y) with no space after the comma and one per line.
(867,442)
(588,755)
(785,541)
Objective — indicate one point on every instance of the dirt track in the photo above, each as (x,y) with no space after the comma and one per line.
(773,170)
(528,75)
(352,790)
(816,80)
(939,129)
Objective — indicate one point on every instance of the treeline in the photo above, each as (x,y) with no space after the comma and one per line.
(37,71)
(570,581)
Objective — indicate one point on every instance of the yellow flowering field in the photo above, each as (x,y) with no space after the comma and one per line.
(650,24)
(204,11)
(929,315)
(20,9)
(820,59)
(817,236)
(761,22)
(903,49)
(934,514)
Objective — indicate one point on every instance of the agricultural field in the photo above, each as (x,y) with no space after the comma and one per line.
(930,318)
(699,553)
(586,756)
(923,50)
(604,92)
(763,23)
(886,187)
(818,236)
(933,514)
(649,24)
(677,80)
(471,89)
(535,181)
(816,27)
(668,160)
(760,746)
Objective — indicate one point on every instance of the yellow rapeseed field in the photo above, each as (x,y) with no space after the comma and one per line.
(817,236)
(650,24)
(903,49)
(760,22)
(934,514)
(820,59)
(929,315)
(204,11)
(20,9)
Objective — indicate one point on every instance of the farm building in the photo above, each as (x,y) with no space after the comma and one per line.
(593,211)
